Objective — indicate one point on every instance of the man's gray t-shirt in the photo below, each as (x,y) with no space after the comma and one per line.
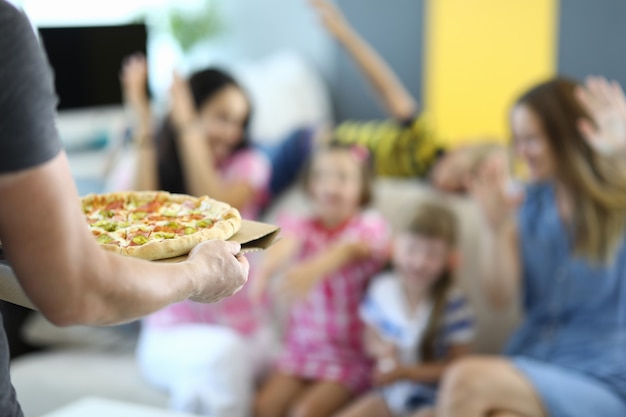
(28,135)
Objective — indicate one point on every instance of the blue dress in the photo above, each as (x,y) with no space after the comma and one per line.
(572,344)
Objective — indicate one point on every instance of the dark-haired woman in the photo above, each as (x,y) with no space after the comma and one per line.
(201,148)
(203,355)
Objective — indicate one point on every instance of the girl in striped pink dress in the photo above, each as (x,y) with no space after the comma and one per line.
(330,258)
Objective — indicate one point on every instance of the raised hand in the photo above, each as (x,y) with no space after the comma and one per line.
(606,104)
(133,77)
(490,187)
(224,272)
(331,17)
(183,111)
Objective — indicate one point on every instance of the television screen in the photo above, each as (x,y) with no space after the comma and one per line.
(86,61)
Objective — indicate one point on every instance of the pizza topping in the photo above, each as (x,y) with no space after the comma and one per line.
(151,207)
(107,213)
(189,204)
(138,215)
(105,239)
(106,225)
(140,240)
(171,212)
(190,230)
(164,235)
(205,223)
(115,205)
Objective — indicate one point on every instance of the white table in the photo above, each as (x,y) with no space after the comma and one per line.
(100,407)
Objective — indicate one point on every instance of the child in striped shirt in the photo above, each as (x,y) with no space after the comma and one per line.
(417,319)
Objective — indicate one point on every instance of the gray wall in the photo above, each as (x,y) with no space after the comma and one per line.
(395,29)
(592,38)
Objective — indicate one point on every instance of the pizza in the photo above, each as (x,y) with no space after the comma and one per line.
(155,224)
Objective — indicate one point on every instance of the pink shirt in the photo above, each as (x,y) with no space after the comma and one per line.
(324,338)
(252,167)
(236,312)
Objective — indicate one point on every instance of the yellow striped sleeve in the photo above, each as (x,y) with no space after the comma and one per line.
(397,150)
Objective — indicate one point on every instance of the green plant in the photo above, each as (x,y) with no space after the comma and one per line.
(192,26)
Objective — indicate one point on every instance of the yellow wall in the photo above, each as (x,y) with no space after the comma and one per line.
(480,54)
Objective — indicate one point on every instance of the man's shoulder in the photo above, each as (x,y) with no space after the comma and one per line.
(10,13)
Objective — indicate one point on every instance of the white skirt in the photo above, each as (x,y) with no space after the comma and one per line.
(207,370)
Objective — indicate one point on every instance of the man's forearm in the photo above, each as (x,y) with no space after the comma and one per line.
(103,289)
(72,280)
(160,284)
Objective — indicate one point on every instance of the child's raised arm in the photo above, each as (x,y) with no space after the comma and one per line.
(395,98)
(501,254)
(133,78)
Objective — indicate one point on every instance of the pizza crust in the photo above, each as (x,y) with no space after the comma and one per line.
(227,224)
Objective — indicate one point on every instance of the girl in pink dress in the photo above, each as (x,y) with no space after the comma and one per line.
(332,254)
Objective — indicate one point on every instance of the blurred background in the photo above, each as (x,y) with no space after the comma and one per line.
(465,61)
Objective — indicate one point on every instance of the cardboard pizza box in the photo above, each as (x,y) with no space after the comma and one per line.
(253,237)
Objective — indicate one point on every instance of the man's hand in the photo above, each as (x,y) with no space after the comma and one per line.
(226,273)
